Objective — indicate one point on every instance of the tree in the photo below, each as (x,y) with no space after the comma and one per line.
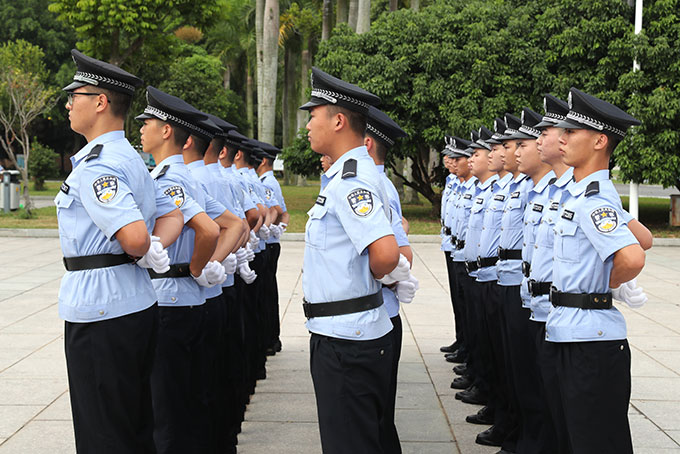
(24,96)
(270,56)
(300,158)
(364,16)
(43,164)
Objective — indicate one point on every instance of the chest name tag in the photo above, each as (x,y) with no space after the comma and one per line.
(105,188)
(467,196)
(176,193)
(605,219)
(479,200)
(321,200)
(538,207)
(554,206)
(65,188)
(499,197)
(568,215)
(361,202)
(514,195)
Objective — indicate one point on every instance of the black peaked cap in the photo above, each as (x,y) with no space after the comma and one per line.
(555,110)
(527,129)
(484,135)
(499,129)
(380,125)
(512,125)
(327,89)
(224,126)
(91,71)
(210,129)
(589,112)
(236,139)
(172,109)
(474,137)
(460,147)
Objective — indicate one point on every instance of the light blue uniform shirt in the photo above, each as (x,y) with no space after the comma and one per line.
(178,184)
(241,177)
(467,196)
(482,195)
(510,271)
(349,215)
(215,189)
(543,248)
(588,231)
(389,297)
(269,181)
(244,200)
(491,227)
(99,197)
(447,203)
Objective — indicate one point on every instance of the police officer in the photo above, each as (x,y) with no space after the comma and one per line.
(596,258)
(349,243)
(181,408)
(106,208)
(381,134)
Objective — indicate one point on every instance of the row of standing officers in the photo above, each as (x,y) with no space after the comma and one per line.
(537,246)
(170,298)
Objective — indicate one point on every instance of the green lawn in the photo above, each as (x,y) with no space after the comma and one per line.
(653,212)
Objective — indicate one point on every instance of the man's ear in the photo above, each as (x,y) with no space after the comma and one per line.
(223,153)
(238,156)
(601,142)
(189,143)
(167,131)
(340,121)
(368,142)
(102,102)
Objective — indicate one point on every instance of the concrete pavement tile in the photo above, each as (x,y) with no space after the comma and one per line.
(279,438)
(675,435)
(413,373)
(442,382)
(275,407)
(670,359)
(643,365)
(422,425)
(48,362)
(286,381)
(418,396)
(655,342)
(14,417)
(456,411)
(11,341)
(465,437)
(42,437)
(652,388)
(436,447)
(44,321)
(663,414)
(410,354)
(646,434)
(657,451)
(10,357)
(30,392)
(59,410)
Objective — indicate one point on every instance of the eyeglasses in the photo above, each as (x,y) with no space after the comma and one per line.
(71,94)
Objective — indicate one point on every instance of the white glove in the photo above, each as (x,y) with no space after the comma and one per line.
(242,256)
(156,257)
(254,240)
(247,274)
(276,231)
(400,273)
(264,232)
(406,290)
(631,294)
(229,263)
(250,254)
(211,275)
(283,226)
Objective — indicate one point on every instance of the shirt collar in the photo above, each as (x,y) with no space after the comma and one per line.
(503,182)
(470,182)
(267,173)
(577,189)
(381,168)
(213,166)
(543,182)
(566,177)
(170,160)
(492,179)
(104,138)
(357,152)
(196,164)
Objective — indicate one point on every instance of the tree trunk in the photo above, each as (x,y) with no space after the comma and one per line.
(396,181)
(341,13)
(250,114)
(326,24)
(394,5)
(226,77)
(305,66)
(364,16)
(353,14)
(259,57)
(415,5)
(410,195)
(289,101)
(270,50)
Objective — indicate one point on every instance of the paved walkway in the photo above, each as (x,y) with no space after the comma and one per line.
(34,405)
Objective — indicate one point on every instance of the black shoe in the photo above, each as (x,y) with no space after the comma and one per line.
(472,396)
(271,351)
(484,416)
(461,383)
(277,345)
(505,451)
(490,437)
(460,369)
(448,348)
(456,357)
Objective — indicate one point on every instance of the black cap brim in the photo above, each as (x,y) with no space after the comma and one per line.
(314,102)
(143,116)
(519,136)
(73,85)
(566,124)
(545,124)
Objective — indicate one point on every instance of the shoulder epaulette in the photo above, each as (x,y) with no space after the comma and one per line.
(162,172)
(95,152)
(593,188)
(552,180)
(476,182)
(349,169)
(262,178)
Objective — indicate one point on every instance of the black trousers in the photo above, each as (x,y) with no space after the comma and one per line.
(456,303)
(215,369)
(389,437)
(481,359)
(464,295)
(235,365)
(594,383)
(181,414)
(109,366)
(351,383)
(274,251)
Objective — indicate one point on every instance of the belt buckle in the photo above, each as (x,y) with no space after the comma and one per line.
(530,284)
(479,261)
(553,293)
(500,252)
(526,268)
(467,267)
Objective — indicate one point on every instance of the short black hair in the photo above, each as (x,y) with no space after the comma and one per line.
(269,161)
(612,142)
(179,134)
(231,151)
(201,144)
(120,102)
(380,147)
(357,121)
(217,143)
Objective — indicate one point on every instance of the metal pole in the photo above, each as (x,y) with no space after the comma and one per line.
(5,190)
(633,205)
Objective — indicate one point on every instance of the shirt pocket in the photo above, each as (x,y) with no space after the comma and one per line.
(567,244)
(315,232)
(66,215)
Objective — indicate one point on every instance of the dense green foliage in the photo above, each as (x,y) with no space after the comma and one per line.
(300,158)
(42,165)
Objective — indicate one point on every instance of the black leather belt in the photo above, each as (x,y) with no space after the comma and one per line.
(350,306)
(526,269)
(447,230)
(178,270)
(471,266)
(509,254)
(486,261)
(581,300)
(460,244)
(91,262)
(454,238)
(538,288)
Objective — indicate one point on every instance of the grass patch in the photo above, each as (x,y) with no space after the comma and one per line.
(51,189)
(41,218)
(654,213)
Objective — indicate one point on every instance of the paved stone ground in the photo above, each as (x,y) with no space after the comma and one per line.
(34,405)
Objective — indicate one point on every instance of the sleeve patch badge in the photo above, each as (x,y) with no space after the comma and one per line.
(105,188)
(605,219)
(361,202)
(176,193)
(268,193)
